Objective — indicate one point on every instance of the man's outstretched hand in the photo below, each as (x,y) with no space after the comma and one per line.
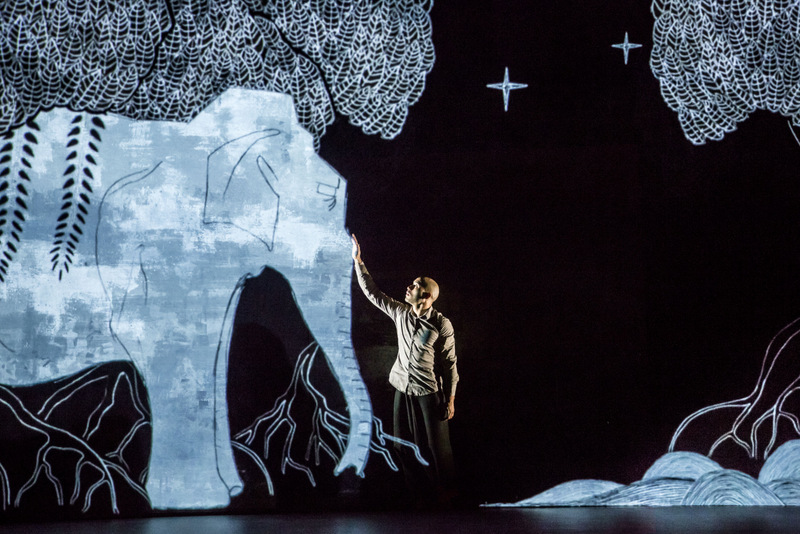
(356,249)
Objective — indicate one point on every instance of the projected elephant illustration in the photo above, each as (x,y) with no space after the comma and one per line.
(139,238)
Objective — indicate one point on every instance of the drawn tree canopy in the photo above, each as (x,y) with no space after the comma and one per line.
(168,59)
(720,60)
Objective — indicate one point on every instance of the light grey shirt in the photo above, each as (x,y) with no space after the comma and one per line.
(426,347)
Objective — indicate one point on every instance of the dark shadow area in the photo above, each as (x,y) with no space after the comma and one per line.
(75,447)
(277,378)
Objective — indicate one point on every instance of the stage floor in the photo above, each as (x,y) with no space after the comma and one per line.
(729,519)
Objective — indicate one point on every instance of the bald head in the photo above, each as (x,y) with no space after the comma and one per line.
(430,286)
(422,292)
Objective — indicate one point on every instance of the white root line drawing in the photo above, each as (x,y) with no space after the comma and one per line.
(55,440)
(325,422)
(762,404)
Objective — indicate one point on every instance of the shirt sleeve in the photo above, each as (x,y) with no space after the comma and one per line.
(448,359)
(385,303)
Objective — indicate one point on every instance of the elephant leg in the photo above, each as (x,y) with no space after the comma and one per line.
(325,305)
(184,470)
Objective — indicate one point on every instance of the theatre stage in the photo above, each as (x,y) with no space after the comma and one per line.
(727,519)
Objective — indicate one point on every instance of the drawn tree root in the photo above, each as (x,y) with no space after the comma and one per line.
(329,429)
(53,440)
(79,436)
(778,380)
(121,385)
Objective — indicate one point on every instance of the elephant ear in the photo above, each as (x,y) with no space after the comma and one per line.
(242,187)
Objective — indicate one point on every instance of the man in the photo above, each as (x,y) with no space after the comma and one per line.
(424,376)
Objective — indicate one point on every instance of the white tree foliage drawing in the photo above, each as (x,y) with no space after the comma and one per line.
(718,61)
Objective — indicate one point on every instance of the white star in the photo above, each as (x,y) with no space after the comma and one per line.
(626,47)
(506,87)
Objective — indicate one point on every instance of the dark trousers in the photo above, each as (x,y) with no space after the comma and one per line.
(421,420)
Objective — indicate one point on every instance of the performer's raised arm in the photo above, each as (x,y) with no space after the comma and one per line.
(387,304)
(424,376)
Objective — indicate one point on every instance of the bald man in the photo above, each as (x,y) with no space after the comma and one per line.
(424,376)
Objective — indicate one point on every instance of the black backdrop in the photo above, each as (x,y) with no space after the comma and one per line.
(605,277)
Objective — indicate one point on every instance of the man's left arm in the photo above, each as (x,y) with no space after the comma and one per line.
(449,367)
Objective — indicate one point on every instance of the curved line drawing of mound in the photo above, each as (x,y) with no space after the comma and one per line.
(781,473)
(572,493)
(685,465)
(728,487)
(685,479)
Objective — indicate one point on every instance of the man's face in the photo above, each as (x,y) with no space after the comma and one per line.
(415,293)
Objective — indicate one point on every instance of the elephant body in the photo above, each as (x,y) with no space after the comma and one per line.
(182,214)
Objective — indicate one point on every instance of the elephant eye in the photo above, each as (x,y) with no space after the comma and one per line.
(328,193)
